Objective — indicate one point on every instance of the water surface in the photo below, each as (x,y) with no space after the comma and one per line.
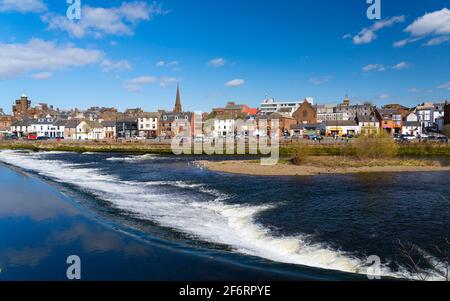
(317,227)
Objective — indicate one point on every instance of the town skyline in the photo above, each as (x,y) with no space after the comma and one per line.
(136,59)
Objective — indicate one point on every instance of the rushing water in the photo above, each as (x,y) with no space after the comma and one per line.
(328,222)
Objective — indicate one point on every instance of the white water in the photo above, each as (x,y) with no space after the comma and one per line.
(133,158)
(214,221)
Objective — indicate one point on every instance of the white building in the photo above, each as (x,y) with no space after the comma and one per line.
(96,131)
(224,127)
(148,125)
(109,128)
(47,127)
(369,125)
(21,128)
(412,117)
(428,113)
(321,117)
(342,127)
(413,128)
(270,106)
(77,130)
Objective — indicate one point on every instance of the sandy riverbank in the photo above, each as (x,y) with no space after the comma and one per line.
(285,169)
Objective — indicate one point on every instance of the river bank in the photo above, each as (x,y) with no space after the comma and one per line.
(324,165)
(138,147)
(286,149)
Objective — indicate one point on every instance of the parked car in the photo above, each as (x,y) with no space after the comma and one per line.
(316,138)
(40,138)
(139,138)
(407,138)
(442,139)
(11,137)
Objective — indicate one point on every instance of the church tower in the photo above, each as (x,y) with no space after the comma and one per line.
(178,108)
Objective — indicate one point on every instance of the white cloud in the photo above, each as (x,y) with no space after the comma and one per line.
(217,63)
(23,6)
(445,86)
(167,64)
(347,36)
(416,90)
(320,80)
(99,21)
(401,43)
(173,63)
(435,25)
(381,67)
(135,84)
(166,81)
(43,56)
(235,83)
(373,67)
(384,96)
(42,75)
(400,66)
(108,65)
(437,41)
(367,35)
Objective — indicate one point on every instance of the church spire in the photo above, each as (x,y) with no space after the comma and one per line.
(177,108)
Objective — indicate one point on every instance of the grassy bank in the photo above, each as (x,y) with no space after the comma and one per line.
(286,150)
(82,147)
(428,150)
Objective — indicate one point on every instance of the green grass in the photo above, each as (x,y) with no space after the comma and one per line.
(286,151)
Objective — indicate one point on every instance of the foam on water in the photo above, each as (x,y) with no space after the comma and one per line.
(212,221)
(134,158)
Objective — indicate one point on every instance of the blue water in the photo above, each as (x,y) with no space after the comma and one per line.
(322,227)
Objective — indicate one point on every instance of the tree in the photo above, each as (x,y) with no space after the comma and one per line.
(446,130)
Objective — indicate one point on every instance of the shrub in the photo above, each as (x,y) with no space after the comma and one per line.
(446,130)
(301,154)
(377,146)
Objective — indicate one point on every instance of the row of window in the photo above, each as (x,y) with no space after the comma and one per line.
(176,117)
(147,126)
(151,119)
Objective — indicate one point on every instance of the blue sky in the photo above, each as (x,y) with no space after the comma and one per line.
(132,53)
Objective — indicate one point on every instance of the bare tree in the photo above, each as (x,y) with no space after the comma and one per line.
(425,266)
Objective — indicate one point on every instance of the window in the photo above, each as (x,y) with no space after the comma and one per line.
(305,113)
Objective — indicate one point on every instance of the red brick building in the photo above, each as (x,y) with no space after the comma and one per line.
(234,110)
(21,107)
(5,123)
(305,114)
